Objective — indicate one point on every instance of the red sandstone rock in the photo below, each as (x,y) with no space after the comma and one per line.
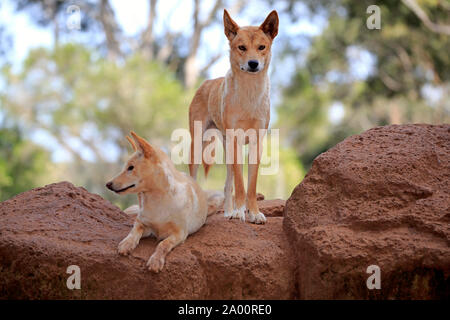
(272,208)
(379,198)
(45,230)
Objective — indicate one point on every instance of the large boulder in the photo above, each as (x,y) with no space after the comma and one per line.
(380,198)
(45,230)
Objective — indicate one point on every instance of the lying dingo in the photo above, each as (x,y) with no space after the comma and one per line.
(171,204)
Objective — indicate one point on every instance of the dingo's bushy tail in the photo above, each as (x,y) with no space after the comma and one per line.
(198,112)
(215,200)
(132,211)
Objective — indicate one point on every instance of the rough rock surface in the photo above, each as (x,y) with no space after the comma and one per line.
(272,208)
(45,230)
(379,198)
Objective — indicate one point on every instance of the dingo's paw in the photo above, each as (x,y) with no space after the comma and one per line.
(258,218)
(239,213)
(127,245)
(155,263)
(228,214)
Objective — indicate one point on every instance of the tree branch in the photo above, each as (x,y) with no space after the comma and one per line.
(211,61)
(212,14)
(166,50)
(147,36)
(110,26)
(191,70)
(421,14)
(389,82)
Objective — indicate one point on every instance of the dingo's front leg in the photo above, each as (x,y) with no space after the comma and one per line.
(228,191)
(158,258)
(132,239)
(240,209)
(255,216)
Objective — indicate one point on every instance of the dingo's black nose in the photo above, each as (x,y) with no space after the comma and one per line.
(253,64)
(109,185)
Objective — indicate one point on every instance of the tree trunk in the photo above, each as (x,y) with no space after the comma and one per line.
(147,46)
(110,28)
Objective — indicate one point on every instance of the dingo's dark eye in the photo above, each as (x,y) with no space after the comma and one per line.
(130,168)
(242,48)
(262,47)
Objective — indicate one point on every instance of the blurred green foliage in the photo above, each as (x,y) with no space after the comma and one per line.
(402,58)
(23,165)
(80,99)
(83,101)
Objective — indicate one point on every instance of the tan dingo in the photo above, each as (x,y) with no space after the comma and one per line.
(171,204)
(240,100)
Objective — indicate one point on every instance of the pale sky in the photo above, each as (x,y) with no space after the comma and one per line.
(133,18)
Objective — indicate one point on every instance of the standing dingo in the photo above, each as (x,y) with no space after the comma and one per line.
(240,100)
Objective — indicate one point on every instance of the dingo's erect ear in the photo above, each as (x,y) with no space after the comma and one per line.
(270,25)
(131,142)
(231,27)
(142,145)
